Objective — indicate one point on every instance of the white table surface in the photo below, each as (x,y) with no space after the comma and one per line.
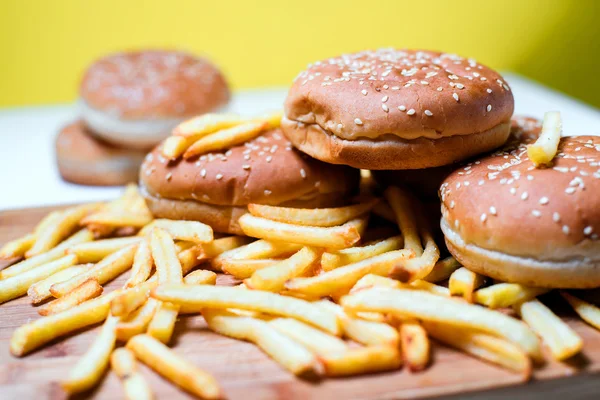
(29,176)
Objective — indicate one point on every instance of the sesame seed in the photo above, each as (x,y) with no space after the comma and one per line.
(402,108)
(570,190)
(481,182)
(489,108)
(269,158)
(455,95)
(536,213)
(439,89)
(565,229)
(219,176)
(302,173)
(246,166)
(483,217)
(489,90)
(524,196)
(452,204)
(556,217)
(460,86)
(364,92)
(384,99)
(246,157)
(428,113)
(529,177)
(493,210)
(411,112)
(544,200)
(169,175)
(385,107)
(358,121)
(513,191)
(340,126)
(587,230)
(267,192)
(203,173)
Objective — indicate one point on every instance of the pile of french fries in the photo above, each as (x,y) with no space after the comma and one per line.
(320,291)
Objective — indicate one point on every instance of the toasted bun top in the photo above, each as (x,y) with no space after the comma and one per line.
(266,170)
(502,202)
(155,84)
(408,93)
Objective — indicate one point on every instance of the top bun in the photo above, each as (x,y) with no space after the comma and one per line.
(409,97)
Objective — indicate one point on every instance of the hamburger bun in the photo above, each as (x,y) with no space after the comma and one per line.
(506,219)
(216,188)
(85,160)
(135,99)
(397,109)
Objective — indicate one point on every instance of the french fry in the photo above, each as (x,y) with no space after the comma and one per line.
(106,270)
(403,206)
(362,360)
(99,249)
(198,127)
(372,280)
(343,278)
(47,221)
(273,118)
(200,277)
(142,266)
(429,307)
(274,277)
(113,218)
(256,250)
(87,290)
(324,217)
(34,334)
(464,282)
(415,345)
(368,333)
(442,270)
(352,255)
(163,322)
(124,365)
(313,339)
(242,269)
(188,259)
(67,221)
(40,291)
(483,346)
(506,294)
(176,369)
(226,138)
(588,312)
(18,285)
(17,247)
(254,300)
(91,366)
(285,351)
(337,237)
(416,268)
(545,147)
(562,341)
(133,298)
(174,146)
(219,246)
(137,322)
(191,231)
(59,251)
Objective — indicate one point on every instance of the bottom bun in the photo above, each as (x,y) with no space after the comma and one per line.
(392,152)
(85,160)
(223,219)
(575,273)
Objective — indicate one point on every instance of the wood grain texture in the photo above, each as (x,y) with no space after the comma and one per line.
(246,373)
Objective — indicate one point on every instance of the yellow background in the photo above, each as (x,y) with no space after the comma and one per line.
(46,45)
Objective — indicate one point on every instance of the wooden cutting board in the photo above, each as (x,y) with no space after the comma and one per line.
(246,373)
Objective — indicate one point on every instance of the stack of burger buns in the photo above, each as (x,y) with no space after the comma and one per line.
(128,103)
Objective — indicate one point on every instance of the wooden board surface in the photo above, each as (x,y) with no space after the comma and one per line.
(246,373)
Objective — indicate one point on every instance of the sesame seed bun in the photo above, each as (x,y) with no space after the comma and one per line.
(504,218)
(397,109)
(85,160)
(135,99)
(216,188)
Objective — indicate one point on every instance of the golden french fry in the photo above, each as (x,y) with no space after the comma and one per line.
(242,269)
(545,147)
(219,246)
(18,285)
(415,345)
(372,280)
(483,346)
(418,267)
(87,290)
(343,278)
(106,270)
(188,259)
(362,360)
(176,369)
(226,138)
(285,351)
(174,146)
(336,237)
(66,223)
(47,221)
(40,291)
(313,339)
(254,300)
(273,118)
(368,333)
(563,341)
(506,294)
(429,307)
(191,231)
(133,298)
(588,312)
(352,255)
(464,283)
(137,322)
(34,334)
(324,217)
(274,277)
(442,270)
(17,247)
(163,322)
(119,218)
(200,277)
(256,250)
(99,249)
(164,253)
(59,251)
(402,203)
(124,365)
(142,266)
(91,366)
(206,124)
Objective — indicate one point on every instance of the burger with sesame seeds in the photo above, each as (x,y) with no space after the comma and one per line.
(397,109)
(539,227)
(215,188)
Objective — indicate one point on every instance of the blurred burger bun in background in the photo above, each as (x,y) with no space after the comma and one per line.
(397,109)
